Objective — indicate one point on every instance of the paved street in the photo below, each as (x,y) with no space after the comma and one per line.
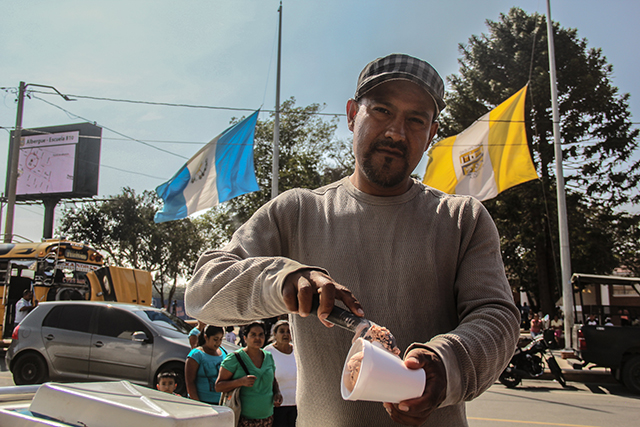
(5,379)
(546,403)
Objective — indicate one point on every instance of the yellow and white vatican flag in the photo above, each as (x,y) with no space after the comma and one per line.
(487,158)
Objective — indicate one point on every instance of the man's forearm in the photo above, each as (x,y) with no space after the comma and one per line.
(229,290)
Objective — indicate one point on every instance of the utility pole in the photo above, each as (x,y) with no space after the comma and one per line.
(275,170)
(14,158)
(565,255)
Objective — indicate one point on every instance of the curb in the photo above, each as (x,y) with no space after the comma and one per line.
(594,374)
(581,376)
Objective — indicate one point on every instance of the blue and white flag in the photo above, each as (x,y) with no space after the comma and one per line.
(221,170)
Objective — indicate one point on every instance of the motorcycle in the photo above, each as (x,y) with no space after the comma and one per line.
(527,362)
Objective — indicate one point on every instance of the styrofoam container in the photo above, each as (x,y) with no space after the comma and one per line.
(122,404)
(383,376)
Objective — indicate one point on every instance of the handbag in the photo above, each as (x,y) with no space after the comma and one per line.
(231,399)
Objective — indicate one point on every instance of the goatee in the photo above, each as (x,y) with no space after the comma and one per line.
(383,175)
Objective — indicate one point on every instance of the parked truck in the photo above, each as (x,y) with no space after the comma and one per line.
(606,332)
(58,269)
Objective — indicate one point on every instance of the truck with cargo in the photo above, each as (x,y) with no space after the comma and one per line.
(607,332)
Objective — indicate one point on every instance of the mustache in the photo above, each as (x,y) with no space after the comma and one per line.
(389,143)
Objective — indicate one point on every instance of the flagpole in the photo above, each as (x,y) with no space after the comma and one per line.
(276,125)
(565,255)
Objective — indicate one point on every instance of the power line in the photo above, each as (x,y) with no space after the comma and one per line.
(132,172)
(148,143)
(112,130)
(157,141)
(208,107)
(20,206)
(119,169)
(160,141)
(171,104)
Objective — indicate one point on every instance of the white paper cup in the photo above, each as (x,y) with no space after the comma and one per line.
(383,376)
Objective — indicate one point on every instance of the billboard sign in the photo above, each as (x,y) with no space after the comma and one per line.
(47,163)
(59,162)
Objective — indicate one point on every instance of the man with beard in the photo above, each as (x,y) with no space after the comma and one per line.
(425,264)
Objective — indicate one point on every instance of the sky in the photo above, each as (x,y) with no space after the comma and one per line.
(223,54)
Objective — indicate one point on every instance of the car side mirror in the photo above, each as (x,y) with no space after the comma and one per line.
(139,336)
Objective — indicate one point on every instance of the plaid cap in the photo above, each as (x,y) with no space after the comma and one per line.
(398,66)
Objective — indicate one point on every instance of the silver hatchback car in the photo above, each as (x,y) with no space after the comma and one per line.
(95,341)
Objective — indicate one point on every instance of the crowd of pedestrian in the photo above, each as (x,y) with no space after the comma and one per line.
(266,375)
(537,323)
(624,319)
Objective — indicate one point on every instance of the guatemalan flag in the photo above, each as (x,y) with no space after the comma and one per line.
(221,170)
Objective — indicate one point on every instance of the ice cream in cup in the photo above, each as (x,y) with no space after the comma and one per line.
(372,373)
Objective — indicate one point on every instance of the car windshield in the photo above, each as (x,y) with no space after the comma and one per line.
(166,320)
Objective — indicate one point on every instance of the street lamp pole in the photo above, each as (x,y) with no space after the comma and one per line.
(14,158)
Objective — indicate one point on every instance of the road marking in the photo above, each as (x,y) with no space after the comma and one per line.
(528,422)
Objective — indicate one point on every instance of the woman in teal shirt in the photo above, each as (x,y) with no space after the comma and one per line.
(260,392)
(203,365)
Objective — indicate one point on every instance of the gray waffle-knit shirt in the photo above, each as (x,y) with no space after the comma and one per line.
(424,264)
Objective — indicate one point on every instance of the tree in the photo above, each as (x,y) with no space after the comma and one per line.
(627,237)
(597,137)
(310,157)
(123,229)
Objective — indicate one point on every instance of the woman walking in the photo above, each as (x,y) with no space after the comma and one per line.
(202,366)
(260,392)
(286,373)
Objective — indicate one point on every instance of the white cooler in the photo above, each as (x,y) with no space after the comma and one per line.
(107,404)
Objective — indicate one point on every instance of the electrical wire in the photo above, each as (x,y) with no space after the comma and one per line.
(22,207)
(171,104)
(8,129)
(581,142)
(112,130)
(209,107)
(148,143)
(132,172)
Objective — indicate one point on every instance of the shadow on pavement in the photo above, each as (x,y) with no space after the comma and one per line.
(550,399)
(616,389)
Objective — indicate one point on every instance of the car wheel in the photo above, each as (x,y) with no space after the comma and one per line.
(178,369)
(631,374)
(30,368)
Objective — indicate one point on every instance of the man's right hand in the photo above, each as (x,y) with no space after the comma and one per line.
(414,412)
(300,287)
